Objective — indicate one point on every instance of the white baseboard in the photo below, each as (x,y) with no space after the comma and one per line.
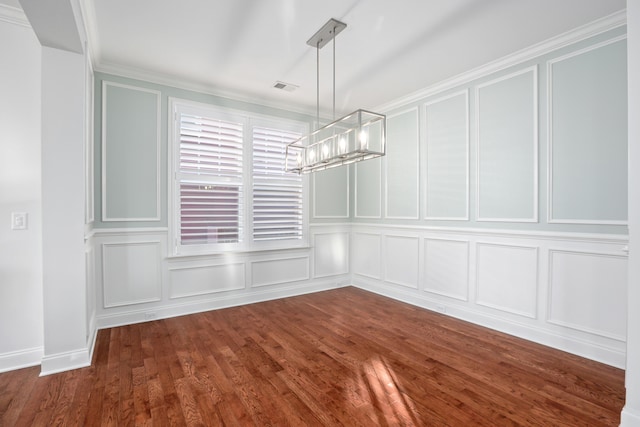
(21,359)
(593,351)
(214,303)
(67,361)
(629,417)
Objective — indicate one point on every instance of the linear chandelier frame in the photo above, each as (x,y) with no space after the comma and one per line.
(360,135)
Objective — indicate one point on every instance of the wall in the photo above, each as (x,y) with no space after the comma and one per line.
(21,334)
(137,275)
(631,412)
(502,199)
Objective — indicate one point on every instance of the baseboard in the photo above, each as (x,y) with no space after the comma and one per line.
(67,361)
(214,303)
(607,355)
(21,359)
(629,418)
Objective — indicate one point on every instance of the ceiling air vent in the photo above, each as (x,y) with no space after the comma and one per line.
(285,86)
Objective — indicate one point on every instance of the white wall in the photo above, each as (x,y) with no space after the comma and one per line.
(21,328)
(631,412)
(67,338)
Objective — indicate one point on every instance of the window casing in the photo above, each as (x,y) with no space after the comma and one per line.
(229,189)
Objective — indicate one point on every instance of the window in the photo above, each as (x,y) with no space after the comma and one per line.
(230,190)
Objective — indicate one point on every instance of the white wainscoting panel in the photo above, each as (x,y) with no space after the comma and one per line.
(447,268)
(402,260)
(131,273)
(366,255)
(331,254)
(507,277)
(205,279)
(588,292)
(275,271)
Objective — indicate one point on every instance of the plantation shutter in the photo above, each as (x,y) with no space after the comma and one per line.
(277,195)
(210,178)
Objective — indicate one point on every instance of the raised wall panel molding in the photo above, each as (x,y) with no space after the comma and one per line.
(370,165)
(402,189)
(402,260)
(587,292)
(131,273)
(518,171)
(438,161)
(341,215)
(194,280)
(446,267)
(367,254)
(330,254)
(140,152)
(551,217)
(278,271)
(507,278)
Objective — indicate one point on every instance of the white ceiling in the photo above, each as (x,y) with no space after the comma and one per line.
(388,50)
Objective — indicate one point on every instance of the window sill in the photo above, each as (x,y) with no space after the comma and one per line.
(236,252)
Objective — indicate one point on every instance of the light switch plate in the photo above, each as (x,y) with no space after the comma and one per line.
(18,220)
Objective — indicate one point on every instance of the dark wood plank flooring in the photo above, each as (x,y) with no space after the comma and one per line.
(344,357)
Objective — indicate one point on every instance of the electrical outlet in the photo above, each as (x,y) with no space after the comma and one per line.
(151,315)
(19,220)
(441,308)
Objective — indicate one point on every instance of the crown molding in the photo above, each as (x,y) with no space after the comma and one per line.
(594,28)
(172,81)
(13,15)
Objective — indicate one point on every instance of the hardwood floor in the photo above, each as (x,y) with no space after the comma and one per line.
(341,357)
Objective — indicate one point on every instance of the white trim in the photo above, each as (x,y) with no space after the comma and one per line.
(252,284)
(103,232)
(385,258)
(424,262)
(548,319)
(536,250)
(60,362)
(13,15)
(347,169)
(158,245)
(550,63)
(629,417)
(89,155)
(599,26)
(620,239)
(355,199)
(464,92)
(158,94)
(213,291)
(21,359)
(535,141)
(347,233)
(417,160)
(381,254)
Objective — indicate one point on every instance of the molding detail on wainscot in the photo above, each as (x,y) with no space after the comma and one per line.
(577,298)
(197,280)
(279,270)
(507,279)
(128,283)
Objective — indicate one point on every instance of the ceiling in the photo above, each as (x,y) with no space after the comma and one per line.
(388,50)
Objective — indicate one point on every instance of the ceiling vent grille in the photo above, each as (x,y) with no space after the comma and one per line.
(285,86)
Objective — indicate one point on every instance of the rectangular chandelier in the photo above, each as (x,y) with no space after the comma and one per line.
(354,137)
